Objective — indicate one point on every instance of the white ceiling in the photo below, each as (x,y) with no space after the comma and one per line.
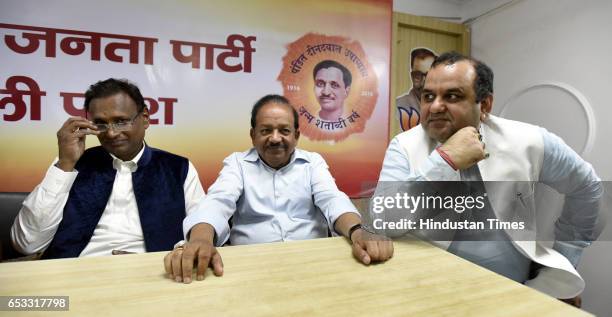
(459,2)
(450,10)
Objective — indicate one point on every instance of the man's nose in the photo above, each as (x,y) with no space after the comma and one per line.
(326,89)
(437,105)
(275,137)
(111,132)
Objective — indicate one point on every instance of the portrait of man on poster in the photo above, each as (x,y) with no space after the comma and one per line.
(332,84)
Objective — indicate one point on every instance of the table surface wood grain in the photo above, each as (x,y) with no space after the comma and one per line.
(301,278)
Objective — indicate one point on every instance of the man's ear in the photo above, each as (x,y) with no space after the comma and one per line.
(297,134)
(252,134)
(486,105)
(145,117)
(348,90)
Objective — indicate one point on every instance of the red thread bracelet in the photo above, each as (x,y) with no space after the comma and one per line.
(446,158)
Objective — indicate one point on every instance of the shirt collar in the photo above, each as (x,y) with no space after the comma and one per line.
(132,164)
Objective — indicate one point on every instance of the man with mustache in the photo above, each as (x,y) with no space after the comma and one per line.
(332,87)
(449,145)
(273,192)
(121,197)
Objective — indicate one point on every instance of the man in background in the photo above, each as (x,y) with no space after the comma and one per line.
(409,104)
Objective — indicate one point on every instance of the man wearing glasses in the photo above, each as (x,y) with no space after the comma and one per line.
(120,197)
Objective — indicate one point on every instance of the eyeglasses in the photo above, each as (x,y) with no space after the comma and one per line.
(122,125)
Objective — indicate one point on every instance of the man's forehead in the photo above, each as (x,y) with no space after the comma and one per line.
(268,122)
(283,123)
(119,98)
(274,114)
(114,104)
(329,72)
(422,63)
(455,75)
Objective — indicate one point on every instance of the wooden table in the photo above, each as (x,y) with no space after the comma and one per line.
(304,278)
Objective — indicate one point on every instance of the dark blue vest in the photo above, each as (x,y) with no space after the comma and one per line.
(158,187)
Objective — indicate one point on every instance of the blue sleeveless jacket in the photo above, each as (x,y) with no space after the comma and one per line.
(158,187)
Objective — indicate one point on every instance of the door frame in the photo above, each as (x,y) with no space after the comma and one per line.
(404,20)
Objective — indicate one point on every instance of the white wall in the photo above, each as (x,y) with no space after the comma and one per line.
(553,65)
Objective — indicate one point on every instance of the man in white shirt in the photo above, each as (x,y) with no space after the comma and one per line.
(274,192)
(449,146)
(122,196)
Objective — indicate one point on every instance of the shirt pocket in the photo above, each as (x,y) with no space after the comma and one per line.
(511,200)
(523,206)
